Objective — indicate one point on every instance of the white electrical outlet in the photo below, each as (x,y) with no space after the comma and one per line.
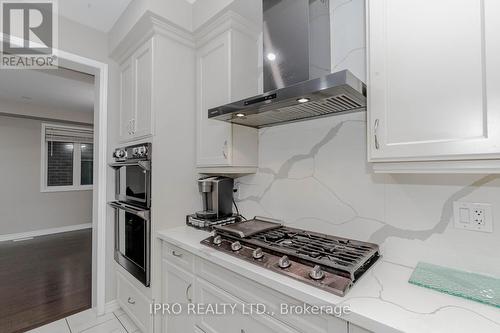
(473,216)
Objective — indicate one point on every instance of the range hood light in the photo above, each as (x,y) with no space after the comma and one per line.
(271,56)
(303,100)
(240,115)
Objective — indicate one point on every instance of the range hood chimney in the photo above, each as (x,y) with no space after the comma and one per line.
(298,82)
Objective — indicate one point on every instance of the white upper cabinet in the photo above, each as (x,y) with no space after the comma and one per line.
(433,80)
(213,80)
(126,99)
(226,71)
(143,62)
(136,80)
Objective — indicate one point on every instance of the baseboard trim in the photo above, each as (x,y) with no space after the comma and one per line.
(36,233)
(111,306)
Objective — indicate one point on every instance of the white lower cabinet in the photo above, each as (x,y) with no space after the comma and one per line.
(134,303)
(190,279)
(178,289)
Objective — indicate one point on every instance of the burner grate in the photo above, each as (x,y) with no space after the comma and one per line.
(339,254)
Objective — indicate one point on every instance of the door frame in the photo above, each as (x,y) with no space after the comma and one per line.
(100,71)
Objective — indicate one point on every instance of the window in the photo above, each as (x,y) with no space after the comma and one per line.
(67,158)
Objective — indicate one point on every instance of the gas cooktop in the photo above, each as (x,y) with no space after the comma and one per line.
(331,263)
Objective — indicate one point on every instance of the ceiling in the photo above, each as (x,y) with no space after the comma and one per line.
(61,89)
(98,14)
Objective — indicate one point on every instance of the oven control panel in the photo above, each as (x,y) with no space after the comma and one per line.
(136,152)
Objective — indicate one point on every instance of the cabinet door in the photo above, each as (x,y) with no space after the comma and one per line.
(143,68)
(434,80)
(178,288)
(126,100)
(214,138)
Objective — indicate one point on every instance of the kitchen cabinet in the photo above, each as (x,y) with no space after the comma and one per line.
(136,80)
(237,321)
(226,71)
(357,329)
(134,303)
(178,290)
(189,278)
(434,84)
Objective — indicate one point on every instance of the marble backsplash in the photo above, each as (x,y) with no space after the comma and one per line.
(315,175)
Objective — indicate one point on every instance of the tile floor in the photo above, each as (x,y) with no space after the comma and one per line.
(88,322)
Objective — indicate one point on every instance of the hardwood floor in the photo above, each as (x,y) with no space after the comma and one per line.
(44,279)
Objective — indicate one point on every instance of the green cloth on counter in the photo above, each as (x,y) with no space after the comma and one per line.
(472,286)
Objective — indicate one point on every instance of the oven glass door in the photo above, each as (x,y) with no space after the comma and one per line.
(133,184)
(132,240)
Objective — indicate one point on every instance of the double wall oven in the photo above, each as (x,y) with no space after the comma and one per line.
(132,210)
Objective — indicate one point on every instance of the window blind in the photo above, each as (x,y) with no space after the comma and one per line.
(64,134)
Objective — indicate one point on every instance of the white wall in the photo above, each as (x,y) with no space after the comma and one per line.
(91,43)
(314,175)
(23,207)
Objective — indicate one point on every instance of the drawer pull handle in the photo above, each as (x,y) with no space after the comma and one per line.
(188,297)
(130,300)
(175,254)
(375,134)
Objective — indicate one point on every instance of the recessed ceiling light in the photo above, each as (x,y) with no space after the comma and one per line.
(240,115)
(303,100)
(26,98)
(271,56)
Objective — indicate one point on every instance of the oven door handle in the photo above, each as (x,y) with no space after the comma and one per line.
(142,213)
(146,165)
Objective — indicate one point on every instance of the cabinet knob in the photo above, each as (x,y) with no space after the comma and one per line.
(131,300)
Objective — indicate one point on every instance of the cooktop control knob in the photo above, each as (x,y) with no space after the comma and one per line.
(236,246)
(217,240)
(257,253)
(135,151)
(316,273)
(284,262)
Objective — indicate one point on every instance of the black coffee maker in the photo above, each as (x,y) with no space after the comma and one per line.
(217,197)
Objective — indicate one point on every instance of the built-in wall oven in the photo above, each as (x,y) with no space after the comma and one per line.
(133,174)
(132,210)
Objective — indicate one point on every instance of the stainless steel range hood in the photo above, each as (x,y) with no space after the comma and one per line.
(298,81)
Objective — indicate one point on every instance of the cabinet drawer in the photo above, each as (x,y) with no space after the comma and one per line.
(357,329)
(252,292)
(178,256)
(207,293)
(134,303)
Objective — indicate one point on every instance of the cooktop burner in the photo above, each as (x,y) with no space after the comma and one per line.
(328,262)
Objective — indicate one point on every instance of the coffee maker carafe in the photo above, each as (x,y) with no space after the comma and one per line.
(217,197)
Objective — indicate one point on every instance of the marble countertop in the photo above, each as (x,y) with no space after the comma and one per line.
(381,301)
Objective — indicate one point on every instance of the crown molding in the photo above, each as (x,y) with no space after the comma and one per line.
(147,26)
(229,20)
